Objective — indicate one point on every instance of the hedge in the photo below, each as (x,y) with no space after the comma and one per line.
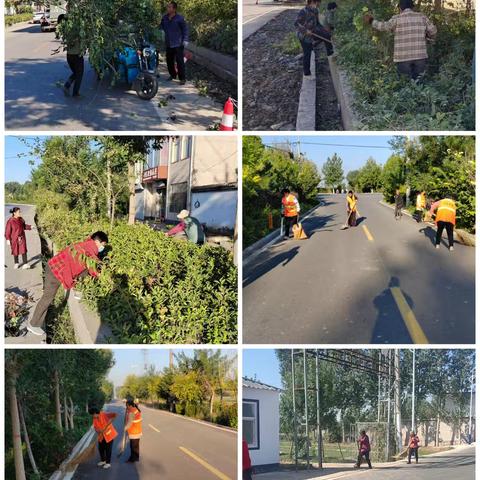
(13,19)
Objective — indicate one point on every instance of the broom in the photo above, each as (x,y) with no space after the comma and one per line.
(124,437)
(345,226)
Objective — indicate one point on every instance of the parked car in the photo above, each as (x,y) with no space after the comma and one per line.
(37,16)
(56,15)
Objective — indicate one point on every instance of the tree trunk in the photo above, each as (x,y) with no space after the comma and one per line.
(58,410)
(27,438)
(212,400)
(438,5)
(437,431)
(114,208)
(65,412)
(16,434)
(131,189)
(72,425)
(109,187)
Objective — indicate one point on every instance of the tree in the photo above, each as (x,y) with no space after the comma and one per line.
(352,179)
(333,171)
(370,177)
(188,389)
(393,176)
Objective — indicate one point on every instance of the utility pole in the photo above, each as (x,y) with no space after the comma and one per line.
(170,358)
(407,192)
(470,437)
(389,402)
(398,412)
(305,386)
(294,411)
(319,426)
(413,393)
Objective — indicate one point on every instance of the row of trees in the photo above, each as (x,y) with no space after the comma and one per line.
(348,396)
(202,386)
(266,171)
(46,410)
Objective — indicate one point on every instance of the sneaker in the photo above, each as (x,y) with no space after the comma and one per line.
(77,295)
(100,464)
(26,266)
(437,246)
(16,266)
(450,248)
(171,79)
(35,330)
(106,466)
(183,82)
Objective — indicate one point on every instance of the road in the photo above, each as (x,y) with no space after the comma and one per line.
(380,282)
(34,99)
(458,464)
(256,16)
(172,448)
(25,281)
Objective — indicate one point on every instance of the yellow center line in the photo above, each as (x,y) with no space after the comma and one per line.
(414,328)
(153,428)
(367,233)
(205,464)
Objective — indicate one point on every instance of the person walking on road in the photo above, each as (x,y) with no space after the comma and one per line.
(102,424)
(445,220)
(16,239)
(420,206)
(190,226)
(309,29)
(290,211)
(176,39)
(413,444)
(76,62)
(246,462)
(398,205)
(363,449)
(133,426)
(64,269)
(411,31)
(352,201)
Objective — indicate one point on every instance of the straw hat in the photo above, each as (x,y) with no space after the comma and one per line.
(183,214)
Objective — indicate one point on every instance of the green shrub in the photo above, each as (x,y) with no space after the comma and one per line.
(154,289)
(13,19)
(226,414)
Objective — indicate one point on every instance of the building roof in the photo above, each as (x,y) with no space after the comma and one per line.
(255,384)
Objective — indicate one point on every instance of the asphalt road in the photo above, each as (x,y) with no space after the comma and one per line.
(172,448)
(34,99)
(25,281)
(380,282)
(256,16)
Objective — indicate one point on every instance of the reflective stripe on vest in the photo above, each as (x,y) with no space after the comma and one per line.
(100,423)
(447,211)
(136,426)
(290,206)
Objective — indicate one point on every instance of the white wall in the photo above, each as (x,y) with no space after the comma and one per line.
(269,413)
(216,209)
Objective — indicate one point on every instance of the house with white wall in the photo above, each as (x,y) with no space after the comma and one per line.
(261,423)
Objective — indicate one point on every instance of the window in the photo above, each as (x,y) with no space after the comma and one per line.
(178,197)
(181,148)
(251,426)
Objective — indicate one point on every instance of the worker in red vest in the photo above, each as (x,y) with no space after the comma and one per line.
(246,462)
(363,443)
(133,427)
(102,424)
(445,219)
(290,211)
(413,444)
(64,269)
(16,238)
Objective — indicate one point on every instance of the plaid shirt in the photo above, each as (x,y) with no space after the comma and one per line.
(307,19)
(411,31)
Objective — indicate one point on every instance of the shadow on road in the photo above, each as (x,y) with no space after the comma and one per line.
(35,28)
(316,224)
(283,259)
(360,220)
(431,234)
(389,325)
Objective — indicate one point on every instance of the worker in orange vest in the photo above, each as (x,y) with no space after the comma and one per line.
(102,424)
(290,211)
(133,426)
(445,219)
(413,444)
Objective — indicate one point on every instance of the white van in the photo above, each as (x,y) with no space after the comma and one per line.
(57,12)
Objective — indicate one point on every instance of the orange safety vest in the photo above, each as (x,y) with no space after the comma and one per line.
(107,433)
(352,203)
(289,206)
(136,427)
(447,211)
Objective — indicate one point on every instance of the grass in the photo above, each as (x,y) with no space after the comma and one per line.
(291,45)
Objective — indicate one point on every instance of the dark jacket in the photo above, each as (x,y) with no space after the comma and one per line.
(307,19)
(176,30)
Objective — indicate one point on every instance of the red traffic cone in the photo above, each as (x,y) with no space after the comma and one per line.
(227,119)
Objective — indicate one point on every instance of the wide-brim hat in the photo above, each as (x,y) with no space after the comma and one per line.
(183,214)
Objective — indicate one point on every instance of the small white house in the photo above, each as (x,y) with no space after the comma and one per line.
(261,423)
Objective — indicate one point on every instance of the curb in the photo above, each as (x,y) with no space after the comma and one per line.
(460,235)
(220,64)
(88,326)
(261,245)
(344,96)
(306,107)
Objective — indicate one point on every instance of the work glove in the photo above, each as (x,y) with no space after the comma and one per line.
(8,242)
(185,44)
(368,19)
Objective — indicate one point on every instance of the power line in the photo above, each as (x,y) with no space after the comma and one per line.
(327,145)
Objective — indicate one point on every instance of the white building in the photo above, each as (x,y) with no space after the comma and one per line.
(261,423)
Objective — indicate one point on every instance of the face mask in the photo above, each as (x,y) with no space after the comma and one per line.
(101,248)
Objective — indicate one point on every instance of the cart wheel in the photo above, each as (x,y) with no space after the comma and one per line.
(146,86)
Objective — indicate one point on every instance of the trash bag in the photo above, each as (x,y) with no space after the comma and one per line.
(299,232)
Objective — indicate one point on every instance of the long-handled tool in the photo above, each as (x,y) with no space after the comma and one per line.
(321,38)
(344,227)
(124,436)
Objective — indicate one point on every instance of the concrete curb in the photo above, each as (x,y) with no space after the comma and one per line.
(460,235)
(224,66)
(261,245)
(344,95)
(306,114)
(88,326)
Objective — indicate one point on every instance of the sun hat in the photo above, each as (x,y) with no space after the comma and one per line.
(183,214)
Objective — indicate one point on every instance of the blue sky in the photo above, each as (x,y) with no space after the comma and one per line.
(131,361)
(353,156)
(18,169)
(263,365)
